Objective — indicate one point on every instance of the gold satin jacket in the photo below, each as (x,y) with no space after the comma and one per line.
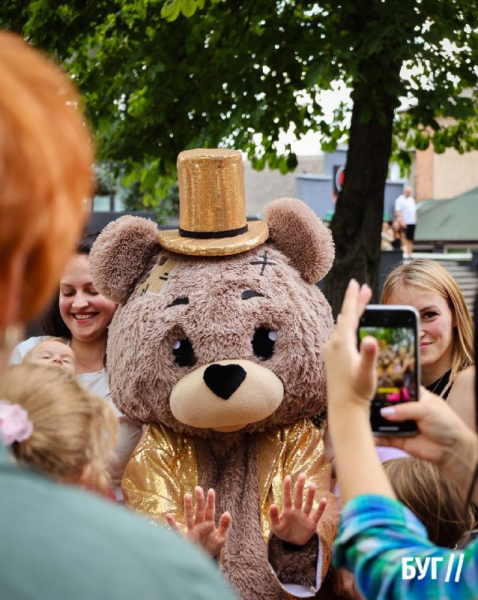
(164,467)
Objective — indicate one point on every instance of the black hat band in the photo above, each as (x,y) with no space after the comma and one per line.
(205,235)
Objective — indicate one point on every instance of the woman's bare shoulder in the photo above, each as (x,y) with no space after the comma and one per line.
(465,377)
(462,396)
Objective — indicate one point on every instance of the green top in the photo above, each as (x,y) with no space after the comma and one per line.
(58,542)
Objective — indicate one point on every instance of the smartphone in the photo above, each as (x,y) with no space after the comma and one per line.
(398,367)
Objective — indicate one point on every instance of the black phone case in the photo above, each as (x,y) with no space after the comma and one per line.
(387,324)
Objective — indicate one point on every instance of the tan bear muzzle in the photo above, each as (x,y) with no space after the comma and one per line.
(226,395)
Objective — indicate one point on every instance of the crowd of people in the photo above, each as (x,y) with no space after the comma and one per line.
(65,443)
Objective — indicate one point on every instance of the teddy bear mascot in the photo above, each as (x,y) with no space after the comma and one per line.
(217,345)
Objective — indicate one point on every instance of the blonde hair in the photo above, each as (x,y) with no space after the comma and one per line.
(45,170)
(433,498)
(429,275)
(72,428)
(28,355)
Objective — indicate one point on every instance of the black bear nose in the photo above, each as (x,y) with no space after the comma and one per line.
(224,380)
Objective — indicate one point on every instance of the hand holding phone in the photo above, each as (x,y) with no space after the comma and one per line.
(396,331)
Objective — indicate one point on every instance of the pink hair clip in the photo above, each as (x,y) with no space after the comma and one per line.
(15,425)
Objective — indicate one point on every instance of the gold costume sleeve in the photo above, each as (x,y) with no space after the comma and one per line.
(302,450)
(161,470)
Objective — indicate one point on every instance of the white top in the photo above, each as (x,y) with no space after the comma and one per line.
(408,207)
(129,431)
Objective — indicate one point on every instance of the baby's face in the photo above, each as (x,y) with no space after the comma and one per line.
(55,354)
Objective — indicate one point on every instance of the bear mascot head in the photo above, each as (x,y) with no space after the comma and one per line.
(217,345)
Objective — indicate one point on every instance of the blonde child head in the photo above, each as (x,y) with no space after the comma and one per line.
(431,496)
(52,352)
(67,433)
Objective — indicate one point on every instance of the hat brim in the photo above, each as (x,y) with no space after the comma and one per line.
(257,233)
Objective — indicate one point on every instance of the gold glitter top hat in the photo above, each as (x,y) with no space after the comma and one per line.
(212,206)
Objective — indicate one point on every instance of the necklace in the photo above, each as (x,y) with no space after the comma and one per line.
(437,383)
(89,367)
(92,369)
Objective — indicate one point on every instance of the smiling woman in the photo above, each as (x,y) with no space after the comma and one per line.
(81,315)
(85,313)
(446,331)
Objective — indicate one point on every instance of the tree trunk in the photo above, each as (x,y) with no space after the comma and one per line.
(357,223)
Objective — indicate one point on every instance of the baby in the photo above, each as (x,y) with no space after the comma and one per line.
(52,352)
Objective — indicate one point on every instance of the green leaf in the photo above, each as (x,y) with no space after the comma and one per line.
(172,8)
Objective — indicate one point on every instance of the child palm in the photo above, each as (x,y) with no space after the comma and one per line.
(297,522)
(200,527)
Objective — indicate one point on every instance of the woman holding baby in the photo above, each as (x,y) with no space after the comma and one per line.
(81,316)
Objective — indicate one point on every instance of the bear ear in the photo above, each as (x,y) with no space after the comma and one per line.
(298,232)
(120,255)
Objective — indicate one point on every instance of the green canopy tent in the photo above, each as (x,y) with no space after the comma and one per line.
(448,221)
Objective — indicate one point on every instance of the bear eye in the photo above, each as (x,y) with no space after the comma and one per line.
(247,294)
(183,353)
(263,342)
(179,300)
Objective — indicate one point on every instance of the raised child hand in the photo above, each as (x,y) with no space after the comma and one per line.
(200,527)
(297,522)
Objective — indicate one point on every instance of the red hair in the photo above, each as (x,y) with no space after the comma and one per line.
(45,169)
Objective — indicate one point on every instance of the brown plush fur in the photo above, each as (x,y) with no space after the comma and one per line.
(234,476)
(284,561)
(120,255)
(220,325)
(292,228)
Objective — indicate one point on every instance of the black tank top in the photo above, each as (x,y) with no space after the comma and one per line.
(396,244)
(440,384)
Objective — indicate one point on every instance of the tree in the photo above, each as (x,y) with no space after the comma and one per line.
(159,77)
(111,181)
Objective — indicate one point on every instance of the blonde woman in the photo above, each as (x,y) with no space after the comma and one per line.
(446,331)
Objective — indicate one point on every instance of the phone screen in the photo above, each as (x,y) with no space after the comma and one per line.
(397,366)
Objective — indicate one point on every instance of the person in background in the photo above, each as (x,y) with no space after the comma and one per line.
(432,498)
(55,425)
(81,315)
(52,352)
(387,237)
(57,541)
(378,535)
(398,235)
(446,331)
(406,215)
